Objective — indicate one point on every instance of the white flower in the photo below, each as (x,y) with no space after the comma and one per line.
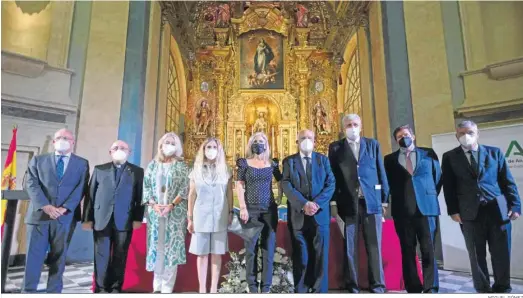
(242,251)
(285,260)
(276,280)
(277,258)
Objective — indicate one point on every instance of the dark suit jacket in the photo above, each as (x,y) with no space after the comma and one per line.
(369,170)
(295,186)
(44,188)
(122,198)
(426,181)
(463,190)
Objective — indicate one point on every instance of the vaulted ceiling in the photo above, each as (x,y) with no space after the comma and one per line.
(331,23)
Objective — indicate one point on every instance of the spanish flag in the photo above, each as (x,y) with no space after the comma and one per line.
(9,174)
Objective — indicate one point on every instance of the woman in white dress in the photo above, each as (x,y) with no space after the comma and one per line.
(210,210)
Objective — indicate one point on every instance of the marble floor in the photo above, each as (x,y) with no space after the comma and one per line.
(78,279)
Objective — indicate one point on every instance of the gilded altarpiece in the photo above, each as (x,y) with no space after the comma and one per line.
(219,106)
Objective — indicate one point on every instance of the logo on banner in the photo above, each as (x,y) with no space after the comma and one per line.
(514,155)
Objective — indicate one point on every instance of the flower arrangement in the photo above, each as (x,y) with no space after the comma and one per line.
(235,281)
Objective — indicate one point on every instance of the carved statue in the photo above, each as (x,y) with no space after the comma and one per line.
(320,118)
(260,125)
(223,15)
(203,118)
(302,18)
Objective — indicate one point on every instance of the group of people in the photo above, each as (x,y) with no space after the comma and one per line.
(354,182)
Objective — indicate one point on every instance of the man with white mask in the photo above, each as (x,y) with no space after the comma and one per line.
(361,198)
(481,196)
(113,208)
(309,184)
(55,184)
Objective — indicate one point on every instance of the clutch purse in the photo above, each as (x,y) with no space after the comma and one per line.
(245,230)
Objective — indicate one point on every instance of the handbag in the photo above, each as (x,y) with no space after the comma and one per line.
(245,230)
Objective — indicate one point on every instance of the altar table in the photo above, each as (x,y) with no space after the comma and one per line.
(137,279)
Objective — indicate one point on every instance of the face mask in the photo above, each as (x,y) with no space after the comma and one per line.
(211,154)
(119,156)
(306,145)
(352,132)
(168,149)
(257,148)
(467,140)
(405,142)
(61,145)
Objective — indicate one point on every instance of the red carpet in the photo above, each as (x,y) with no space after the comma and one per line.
(137,279)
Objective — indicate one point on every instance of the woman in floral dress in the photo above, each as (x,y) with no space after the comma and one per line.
(166,186)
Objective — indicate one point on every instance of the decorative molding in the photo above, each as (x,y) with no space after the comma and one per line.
(38,105)
(26,66)
(499,71)
(490,108)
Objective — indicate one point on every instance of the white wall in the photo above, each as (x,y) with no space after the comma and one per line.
(455,256)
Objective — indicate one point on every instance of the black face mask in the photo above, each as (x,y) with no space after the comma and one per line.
(405,142)
(257,148)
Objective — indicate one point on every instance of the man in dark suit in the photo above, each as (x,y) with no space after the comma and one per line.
(113,208)
(414,177)
(55,185)
(361,197)
(482,196)
(308,183)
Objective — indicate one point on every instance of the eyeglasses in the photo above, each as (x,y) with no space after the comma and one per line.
(116,148)
(63,138)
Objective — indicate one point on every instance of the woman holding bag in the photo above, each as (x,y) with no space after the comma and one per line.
(210,210)
(258,208)
(165,189)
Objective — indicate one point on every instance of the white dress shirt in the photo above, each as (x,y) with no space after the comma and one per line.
(304,161)
(471,151)
(355,147)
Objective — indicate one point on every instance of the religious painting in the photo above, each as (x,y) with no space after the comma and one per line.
(261,60)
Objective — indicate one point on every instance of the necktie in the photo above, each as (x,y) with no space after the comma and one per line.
(473,163)
(308,172)
(408,162)
(353,148)
(60,167)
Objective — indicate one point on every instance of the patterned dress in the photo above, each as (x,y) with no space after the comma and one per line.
(176,221)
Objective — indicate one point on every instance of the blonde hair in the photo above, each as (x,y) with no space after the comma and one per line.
(220,162)
(178,154)
(265,155)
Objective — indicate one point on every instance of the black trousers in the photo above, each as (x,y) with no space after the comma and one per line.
(488,228)
(110,256)
(269,220)
(310,255)
(412,230)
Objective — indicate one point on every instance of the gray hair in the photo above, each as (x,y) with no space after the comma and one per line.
(467,124)
(350,117)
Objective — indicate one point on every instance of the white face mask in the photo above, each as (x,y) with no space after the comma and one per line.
(467,140)
(62,145)
(168,149)
(119,156)
(352,132)
(306,145)
(211,154)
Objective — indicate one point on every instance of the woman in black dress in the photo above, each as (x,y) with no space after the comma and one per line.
(258,208)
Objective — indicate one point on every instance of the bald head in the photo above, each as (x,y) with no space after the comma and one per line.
(119,152)
(63,141)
